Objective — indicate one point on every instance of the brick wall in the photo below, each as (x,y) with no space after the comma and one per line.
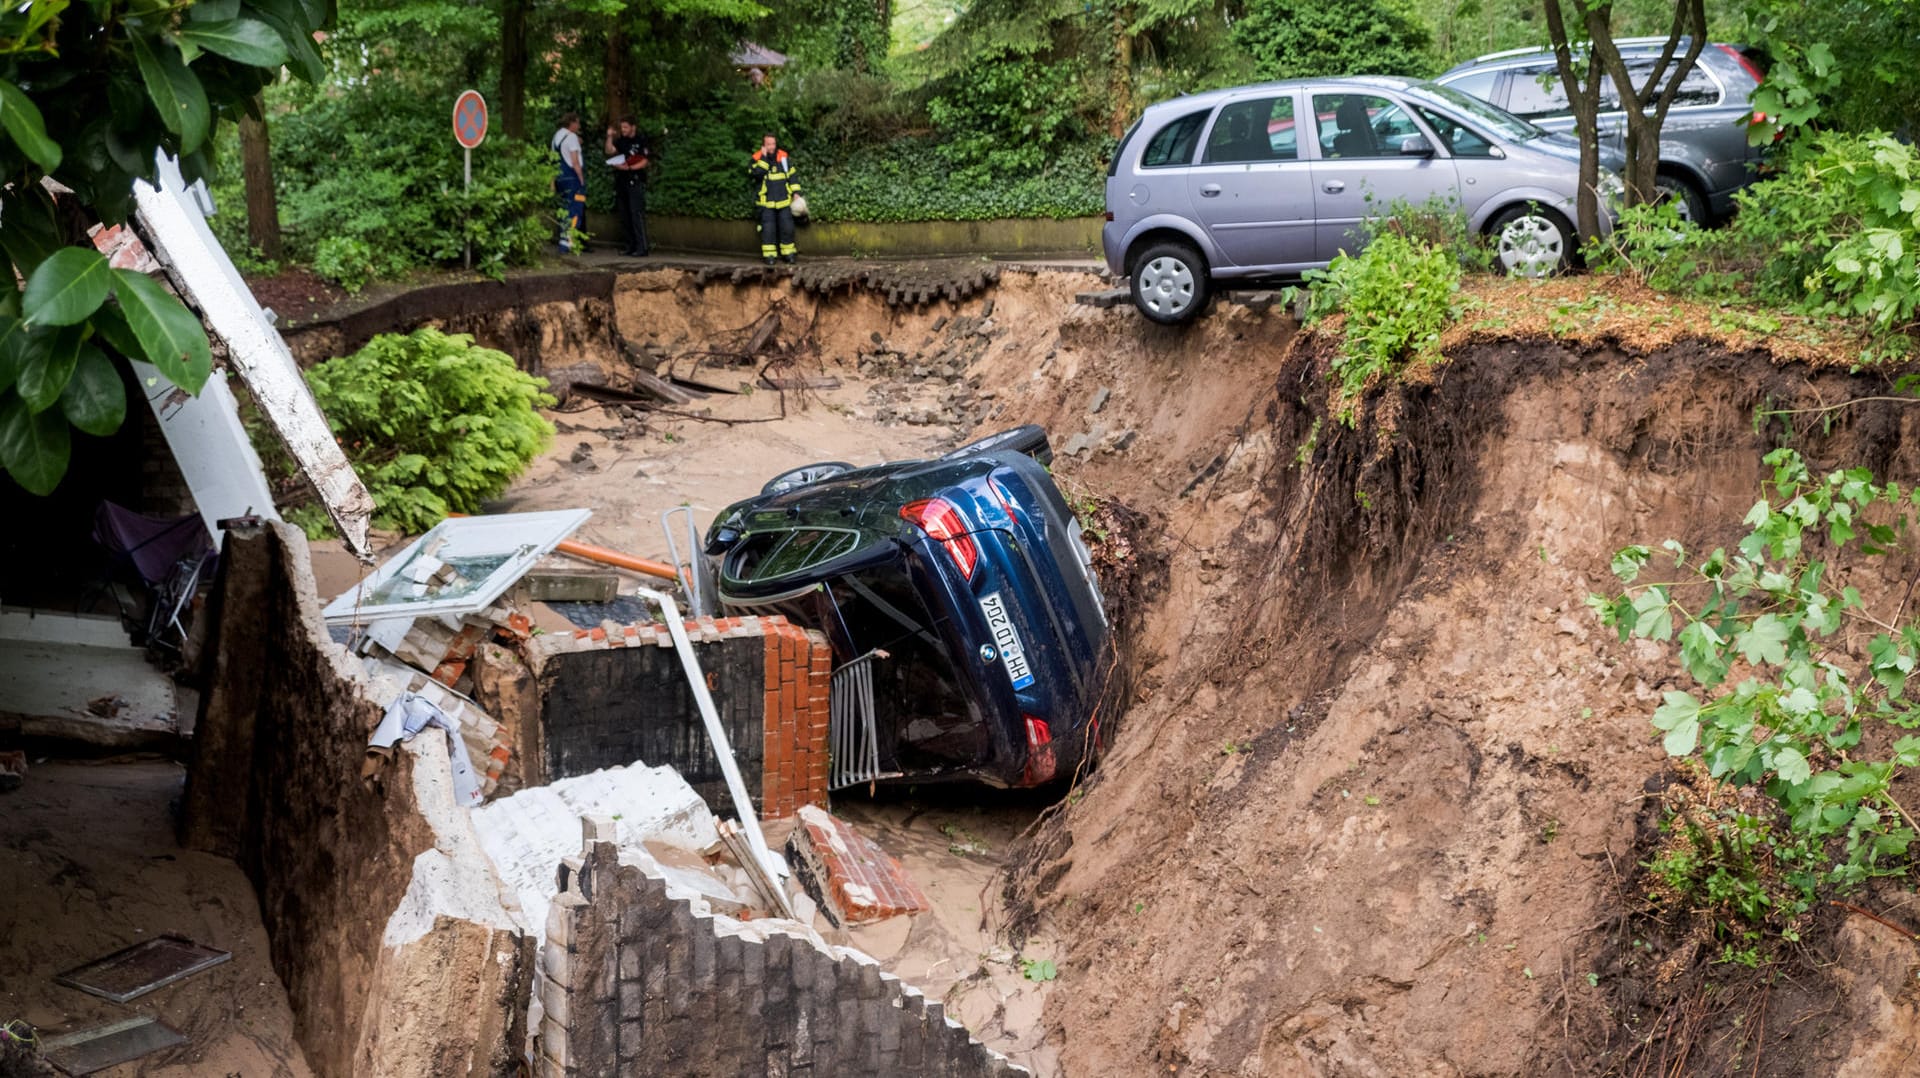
(635,982)
(617,694)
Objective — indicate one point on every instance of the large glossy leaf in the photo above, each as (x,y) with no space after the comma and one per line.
(44,376)
(175,91)
(248,41)
(110,328)
(21,118)
(290,19)
(170,337)
(14,350)
(95,400)
(33,448)
(27,231)
(70,285)
(206,11)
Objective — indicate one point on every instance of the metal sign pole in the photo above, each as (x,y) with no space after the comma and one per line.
(468,189)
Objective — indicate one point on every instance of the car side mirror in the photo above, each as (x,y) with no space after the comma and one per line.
(1416,146)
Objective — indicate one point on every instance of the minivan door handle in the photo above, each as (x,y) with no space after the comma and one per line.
(1333,187)
(1210,190)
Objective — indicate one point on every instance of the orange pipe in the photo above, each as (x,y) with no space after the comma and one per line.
(612,557)
(618,560)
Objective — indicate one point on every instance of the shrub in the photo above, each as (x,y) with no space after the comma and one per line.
(1398,294)
(1323,38)
(432,423)
(1836,232)
(370,186)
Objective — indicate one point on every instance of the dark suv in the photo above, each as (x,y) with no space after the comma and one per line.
(1704,156)
(969,634)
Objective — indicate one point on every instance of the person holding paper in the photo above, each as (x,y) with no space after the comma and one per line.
(630,157)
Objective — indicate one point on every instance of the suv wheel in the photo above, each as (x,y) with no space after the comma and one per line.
(1530,241)
(1169,282)
(1685,197)
(805,475)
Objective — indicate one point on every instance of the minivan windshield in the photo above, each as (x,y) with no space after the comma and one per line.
(1504,124)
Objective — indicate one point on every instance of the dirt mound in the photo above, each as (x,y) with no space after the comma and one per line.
(1378,807)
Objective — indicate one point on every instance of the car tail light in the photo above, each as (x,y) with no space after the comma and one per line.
(1741,59)
(1109,215)
(1005,499)
(1041,763)
(940,520)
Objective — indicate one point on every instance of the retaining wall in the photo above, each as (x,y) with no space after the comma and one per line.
(635,982)
(611,696)
(1076,236)
(382,913)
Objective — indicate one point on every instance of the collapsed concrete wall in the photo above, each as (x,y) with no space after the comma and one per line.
(613,695)
(382,912)
(636,982)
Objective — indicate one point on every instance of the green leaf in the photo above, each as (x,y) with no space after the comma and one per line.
(45,375)
(33,448)
(15,349)
(1628,562)
(290,19)
(170,337)
(1700,651)
(248,41)
(212,11)
(1791,765)
(1682,739)
(67,287)
(95,400)
(110,327)
(1680,707)
(1765,641)
(24,125)
(1653,618)
(27,231)
(175,91)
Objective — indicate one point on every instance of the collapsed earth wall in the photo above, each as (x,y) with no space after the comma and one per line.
(636,982)
(381,910)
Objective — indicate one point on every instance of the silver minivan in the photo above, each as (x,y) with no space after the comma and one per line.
(1271,180)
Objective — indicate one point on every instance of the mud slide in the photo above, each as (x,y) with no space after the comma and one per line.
(1380,798)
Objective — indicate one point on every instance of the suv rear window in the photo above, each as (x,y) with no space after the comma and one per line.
(771,555)
(1535,92)
(1174,144)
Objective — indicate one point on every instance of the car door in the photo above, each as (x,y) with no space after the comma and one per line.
(1251,190)
(1361,172)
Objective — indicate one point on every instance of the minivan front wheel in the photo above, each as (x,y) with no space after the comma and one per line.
(1529,241)
(1169,282)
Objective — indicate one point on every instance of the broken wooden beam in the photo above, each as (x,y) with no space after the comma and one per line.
(809,382)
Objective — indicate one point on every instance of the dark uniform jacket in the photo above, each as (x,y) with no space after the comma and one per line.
(771,176)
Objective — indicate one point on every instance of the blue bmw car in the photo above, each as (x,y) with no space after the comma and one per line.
(969,634)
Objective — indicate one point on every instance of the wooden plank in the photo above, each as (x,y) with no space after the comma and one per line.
(661,388)
(764,335)
(812,382)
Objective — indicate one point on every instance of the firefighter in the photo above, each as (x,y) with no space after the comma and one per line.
(771,177)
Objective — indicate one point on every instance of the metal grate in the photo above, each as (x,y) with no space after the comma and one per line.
(855,745)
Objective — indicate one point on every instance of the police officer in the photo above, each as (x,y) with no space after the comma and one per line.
(771,177)
(570,183)
(630,183)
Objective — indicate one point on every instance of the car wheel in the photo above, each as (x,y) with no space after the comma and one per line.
(1169,282)
(805,475)
(1685,197)
(1028,438)
(1529,241)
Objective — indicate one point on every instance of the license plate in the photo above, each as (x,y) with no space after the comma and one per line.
(1007,639)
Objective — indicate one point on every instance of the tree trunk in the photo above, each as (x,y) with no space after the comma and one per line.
(1583,98)
(1663,83)
(263,209)
(513,67)
(1122,74)
(619,70)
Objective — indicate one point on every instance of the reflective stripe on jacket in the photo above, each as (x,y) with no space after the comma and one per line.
(772,179)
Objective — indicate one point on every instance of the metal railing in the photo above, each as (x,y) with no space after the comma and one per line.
(854,743)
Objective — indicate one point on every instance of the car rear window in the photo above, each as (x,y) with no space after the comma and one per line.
(1174,144)
(1477,83)
(1536,91)
(771,555)
(1261,129)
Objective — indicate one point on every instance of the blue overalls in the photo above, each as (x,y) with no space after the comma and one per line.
(573,195)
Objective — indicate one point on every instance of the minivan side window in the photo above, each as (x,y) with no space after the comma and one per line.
(1174,144)
(1261,129)
(1697,89)
(1461,140)
(1361,125)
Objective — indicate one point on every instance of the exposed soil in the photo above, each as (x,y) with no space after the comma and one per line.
(88,854)
(1379,802)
